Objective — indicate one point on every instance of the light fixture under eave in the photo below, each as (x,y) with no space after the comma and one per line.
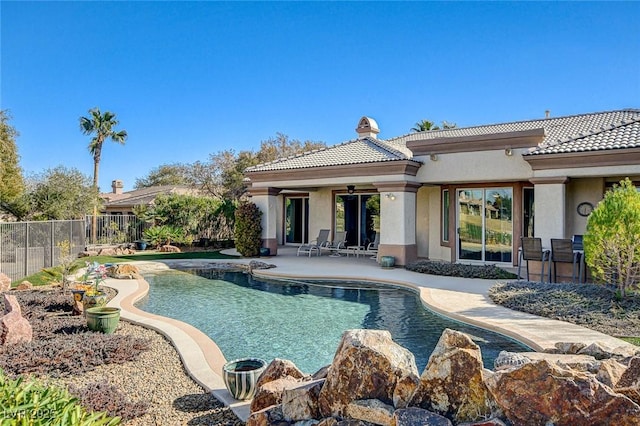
(434,157)
(390,196)
(351,189)
(508,151)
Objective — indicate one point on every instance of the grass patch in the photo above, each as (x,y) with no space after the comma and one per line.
(42,278)
(632,340)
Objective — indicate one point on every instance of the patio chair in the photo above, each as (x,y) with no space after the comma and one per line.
(531,249)
(339,243)
(577,242)
(372,248)
(562,251)
(315,245)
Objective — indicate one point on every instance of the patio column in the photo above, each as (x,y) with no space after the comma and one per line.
(267,201)
(398,220)
(549,216)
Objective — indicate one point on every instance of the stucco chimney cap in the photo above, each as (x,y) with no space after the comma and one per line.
(367,127)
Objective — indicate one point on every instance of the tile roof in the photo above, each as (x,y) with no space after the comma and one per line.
(366,150)
(625,135)
(581,132)
(143,195)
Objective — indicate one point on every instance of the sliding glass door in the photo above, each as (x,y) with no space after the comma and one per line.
(485,225)
(359,215)
(296,220)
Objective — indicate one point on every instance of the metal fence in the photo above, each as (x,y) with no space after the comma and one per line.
(115,229)
(28,247)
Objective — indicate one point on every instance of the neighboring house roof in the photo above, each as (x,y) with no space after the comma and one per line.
(582,132)
(143,196)
(359,151)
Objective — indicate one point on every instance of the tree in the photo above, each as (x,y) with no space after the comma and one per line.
(248,229)
(426,125)
(11,180)
(612,240)
(60,193)
(166,174)
(102,127)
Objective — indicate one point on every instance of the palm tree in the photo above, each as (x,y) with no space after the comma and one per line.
(102,127)
(425,125)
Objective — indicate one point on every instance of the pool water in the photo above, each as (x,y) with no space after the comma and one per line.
(302,321)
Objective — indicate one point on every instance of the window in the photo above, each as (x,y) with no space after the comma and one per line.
(445,215)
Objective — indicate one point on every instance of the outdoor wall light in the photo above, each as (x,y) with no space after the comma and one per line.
(434,157)
(390,196)
(508,151)
(351,189)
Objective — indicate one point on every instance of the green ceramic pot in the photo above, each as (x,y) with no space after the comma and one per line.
(387,261)
(103,319)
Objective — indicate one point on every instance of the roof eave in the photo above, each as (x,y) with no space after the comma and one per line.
(406,167)
(474,143)
(568,160)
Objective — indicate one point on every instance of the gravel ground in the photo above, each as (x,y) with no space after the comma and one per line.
(158,377)
(590,305)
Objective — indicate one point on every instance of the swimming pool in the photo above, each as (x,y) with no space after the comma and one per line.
(301,321)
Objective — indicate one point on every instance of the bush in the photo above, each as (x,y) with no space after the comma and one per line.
(161,235)
(31,403)
(105,397)
(459,270)
(248,230)
(612,239)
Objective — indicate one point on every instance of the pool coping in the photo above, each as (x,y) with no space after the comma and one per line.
(203,359)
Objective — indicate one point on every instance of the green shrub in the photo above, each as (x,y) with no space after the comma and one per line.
(459,270)
(165,234)
(612,240)
(31,403)
(248,230)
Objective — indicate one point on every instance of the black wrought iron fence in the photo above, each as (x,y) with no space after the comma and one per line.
(115,229)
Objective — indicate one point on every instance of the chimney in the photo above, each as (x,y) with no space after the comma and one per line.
(367,128)
(547,114)
(116,186)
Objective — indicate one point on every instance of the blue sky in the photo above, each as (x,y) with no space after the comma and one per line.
(187,79)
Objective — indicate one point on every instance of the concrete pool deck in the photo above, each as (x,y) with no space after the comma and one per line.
(462,299)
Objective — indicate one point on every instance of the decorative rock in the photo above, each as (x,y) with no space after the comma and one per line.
(169,249)
(368,365)
(24,285)
(124,271)
(301,402)
(108,252)
(596,350)
(541,393)
(256,264)
(14,328)
(5,283)
(417,416)
(278,369)
(269,416)
(629,383)
(321,374)
(371,410)
(452,384)
(569,347)
(329,421)
(87,253)
(509,359)
(491,422)
(574,362)
(610,372)
(270,393)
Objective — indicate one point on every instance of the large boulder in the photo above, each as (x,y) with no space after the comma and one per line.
(610,372)
(629,382)
(368,365)
(14,328)
(371,410)
(269,416)
(414,416)
(452,384)
(5,283)
(279,375)
(543,393)
(301,401)
(123,271)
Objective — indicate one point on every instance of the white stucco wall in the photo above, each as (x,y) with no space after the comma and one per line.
(550,212)
(280,219)
(578,191)
(398,218)
(423,218)
(474,166)
(268,204)
(320,211)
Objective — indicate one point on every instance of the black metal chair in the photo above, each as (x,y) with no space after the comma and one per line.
(562,251)
(577,242)
(531,249)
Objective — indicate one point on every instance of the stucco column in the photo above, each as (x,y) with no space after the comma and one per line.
(267,201)
(549,215)
(398,220)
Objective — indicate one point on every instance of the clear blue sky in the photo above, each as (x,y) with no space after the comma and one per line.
(187,79)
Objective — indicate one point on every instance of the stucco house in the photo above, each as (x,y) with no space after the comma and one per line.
(121,202)
(460,195)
